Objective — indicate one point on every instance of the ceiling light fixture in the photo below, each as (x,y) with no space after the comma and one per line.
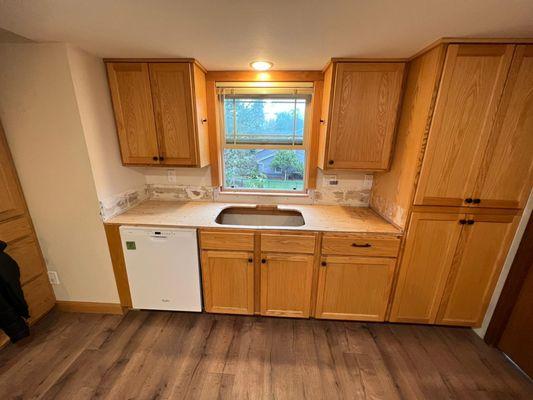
(261,65)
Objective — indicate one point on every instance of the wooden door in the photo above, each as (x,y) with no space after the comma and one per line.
(471,87)
(506,176)
(172,98)
(134,115)
(354,288)
(228,281)
(479,257)
(366,97)
(427,259)
(11,201)
(286,281)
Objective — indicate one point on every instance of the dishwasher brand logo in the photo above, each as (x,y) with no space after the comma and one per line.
(130,245)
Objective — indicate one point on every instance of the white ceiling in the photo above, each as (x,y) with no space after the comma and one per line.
(294,34)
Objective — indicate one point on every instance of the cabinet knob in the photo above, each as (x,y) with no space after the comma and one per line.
(161,158)
(203,120)
(155,158)
(263,261)
(250,260)
(476,201)
(469,200)
(470,222)
(322,121)
(462,221)
(323,263)
(331,162)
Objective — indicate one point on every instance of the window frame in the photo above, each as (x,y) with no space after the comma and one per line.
(305,146)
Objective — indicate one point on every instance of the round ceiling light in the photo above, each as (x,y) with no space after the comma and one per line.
(261,65)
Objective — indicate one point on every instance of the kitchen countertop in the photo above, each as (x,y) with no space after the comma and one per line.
(199,214)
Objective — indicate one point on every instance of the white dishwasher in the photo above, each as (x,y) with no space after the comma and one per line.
(163,270)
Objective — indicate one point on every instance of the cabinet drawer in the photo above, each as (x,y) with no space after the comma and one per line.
(14,229)
(26,253)
(358,245)
(39,296)
(288,243)
(226,240)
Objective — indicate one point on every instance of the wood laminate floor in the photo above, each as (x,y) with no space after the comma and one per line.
(163,355)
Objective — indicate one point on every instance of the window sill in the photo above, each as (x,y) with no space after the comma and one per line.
(266,194)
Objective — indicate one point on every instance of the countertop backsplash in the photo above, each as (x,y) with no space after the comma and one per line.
(351,189)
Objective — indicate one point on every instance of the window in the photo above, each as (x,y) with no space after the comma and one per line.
(264,135)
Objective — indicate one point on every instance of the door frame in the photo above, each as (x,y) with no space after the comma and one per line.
(520,267)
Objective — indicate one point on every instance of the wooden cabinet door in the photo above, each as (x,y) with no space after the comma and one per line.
(479,258)
(228,281)
(506,176)
(172,98)
(286,281)
(11,201)
(427,259)
(354,288)
(471,87)
(366,97)
(134,115)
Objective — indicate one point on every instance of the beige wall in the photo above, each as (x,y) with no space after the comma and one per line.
(96,114)
(44,130)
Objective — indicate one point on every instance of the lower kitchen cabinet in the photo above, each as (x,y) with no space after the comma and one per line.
(480,255)
(354,288)
(450,266)
(426,263)
(286,282)
(228,281)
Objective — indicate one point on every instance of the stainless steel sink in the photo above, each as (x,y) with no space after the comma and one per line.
(260,216)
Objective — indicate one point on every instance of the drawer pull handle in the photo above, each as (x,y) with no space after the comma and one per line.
(250,260)
(462,221)
(361,245)
(476,201)
(470,222)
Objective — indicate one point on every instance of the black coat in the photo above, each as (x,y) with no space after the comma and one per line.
(13,306)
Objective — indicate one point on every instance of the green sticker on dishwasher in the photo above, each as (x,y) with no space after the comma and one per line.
(130,245)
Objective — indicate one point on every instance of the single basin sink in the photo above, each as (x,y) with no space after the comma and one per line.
(260,216)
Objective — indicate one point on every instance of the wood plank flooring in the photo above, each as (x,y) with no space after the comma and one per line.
(163,355)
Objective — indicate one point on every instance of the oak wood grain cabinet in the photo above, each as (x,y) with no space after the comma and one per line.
(479,147)
(286,281)
(160,112)
(228,281)
(359,113)
(450,265)
(479,257)
(354,288)
(16,229)
(426,263)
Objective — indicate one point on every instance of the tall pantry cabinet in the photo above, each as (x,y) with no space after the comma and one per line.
(16,229)
(462,173)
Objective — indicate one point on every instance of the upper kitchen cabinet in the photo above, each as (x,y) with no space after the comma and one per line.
(359,114)
(506,174)
(160,112)
(462,145)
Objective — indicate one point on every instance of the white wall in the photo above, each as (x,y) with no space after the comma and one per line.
(506,266)
(44,130)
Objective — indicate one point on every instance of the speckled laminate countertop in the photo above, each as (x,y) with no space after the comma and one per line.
(199,214)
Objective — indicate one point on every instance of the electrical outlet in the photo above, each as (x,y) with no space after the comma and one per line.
(171,176)
(330,180)
(53,277)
